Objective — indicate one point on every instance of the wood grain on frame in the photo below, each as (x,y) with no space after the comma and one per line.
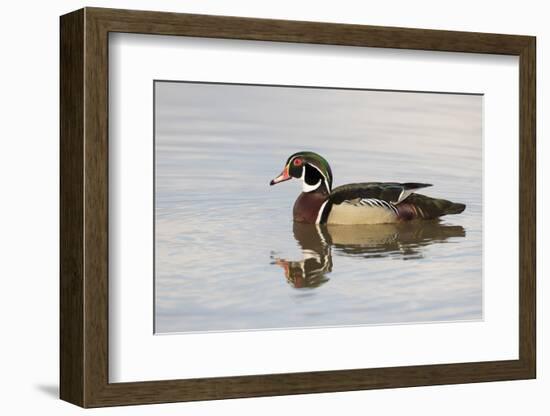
(84,207)
(71,213)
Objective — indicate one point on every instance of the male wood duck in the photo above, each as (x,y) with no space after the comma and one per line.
(356,203)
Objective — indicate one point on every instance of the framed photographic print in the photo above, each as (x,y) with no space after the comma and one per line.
(255,207)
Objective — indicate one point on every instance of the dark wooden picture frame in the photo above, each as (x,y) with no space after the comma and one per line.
(84,207)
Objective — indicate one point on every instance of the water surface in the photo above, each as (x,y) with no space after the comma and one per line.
(227,254)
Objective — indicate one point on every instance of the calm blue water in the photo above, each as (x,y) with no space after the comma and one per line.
(227,254)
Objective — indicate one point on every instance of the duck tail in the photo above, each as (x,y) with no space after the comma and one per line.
(455,208)
(431,208)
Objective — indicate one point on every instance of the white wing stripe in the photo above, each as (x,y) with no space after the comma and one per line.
(404,194)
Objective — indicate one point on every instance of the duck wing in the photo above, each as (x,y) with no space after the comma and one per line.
(391,192)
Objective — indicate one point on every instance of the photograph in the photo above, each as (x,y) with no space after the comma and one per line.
(292,207)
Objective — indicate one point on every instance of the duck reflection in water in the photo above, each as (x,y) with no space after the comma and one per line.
(400,241)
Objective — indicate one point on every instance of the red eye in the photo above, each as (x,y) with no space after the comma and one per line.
(297,162)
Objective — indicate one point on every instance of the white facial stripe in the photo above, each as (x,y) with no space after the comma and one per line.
(305,186)
(322,174)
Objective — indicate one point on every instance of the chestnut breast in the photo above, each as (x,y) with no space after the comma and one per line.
(307,206)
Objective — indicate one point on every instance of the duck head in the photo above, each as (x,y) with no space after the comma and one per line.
(311,168)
